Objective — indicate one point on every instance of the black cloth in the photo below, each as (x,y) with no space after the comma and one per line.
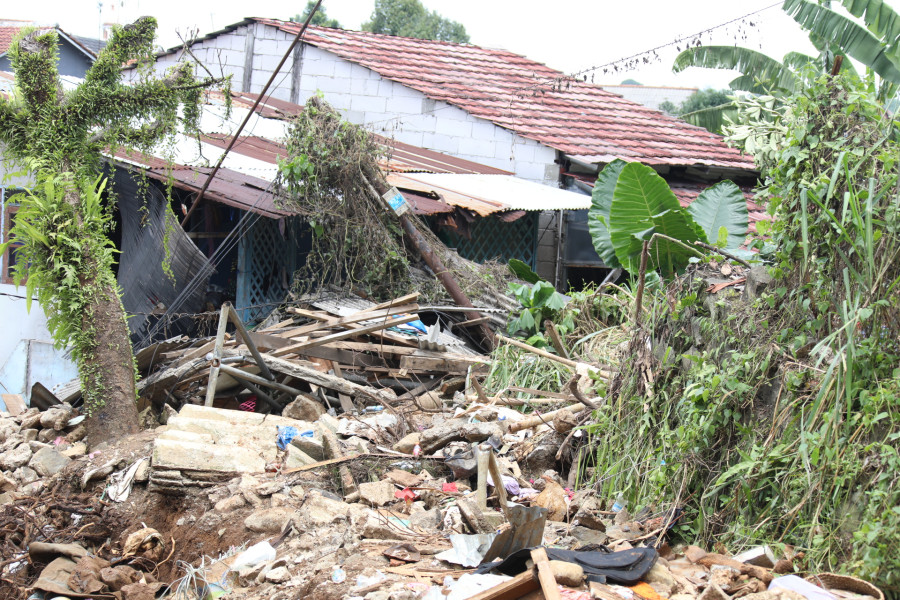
(625,567)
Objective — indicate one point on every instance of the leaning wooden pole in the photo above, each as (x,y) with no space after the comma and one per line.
(434,262)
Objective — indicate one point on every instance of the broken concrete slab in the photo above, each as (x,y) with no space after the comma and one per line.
(203,445)
(378,493)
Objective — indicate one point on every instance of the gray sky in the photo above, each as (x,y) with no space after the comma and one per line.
(569,36)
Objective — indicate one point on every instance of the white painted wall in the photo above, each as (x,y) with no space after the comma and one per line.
(366,98)
(26,348)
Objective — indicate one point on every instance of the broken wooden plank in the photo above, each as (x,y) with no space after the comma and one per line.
(511,589)
(374,327)
(310,375)
(448,363)
(357,317)
(324,463)
(545,574)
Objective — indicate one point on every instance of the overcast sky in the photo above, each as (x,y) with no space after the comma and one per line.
(569,36)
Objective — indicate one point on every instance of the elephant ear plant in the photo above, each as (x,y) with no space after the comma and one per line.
(631,203)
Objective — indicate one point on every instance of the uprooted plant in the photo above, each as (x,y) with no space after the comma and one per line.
(327,177)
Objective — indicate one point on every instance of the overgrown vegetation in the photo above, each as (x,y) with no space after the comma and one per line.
(328,177)
(777,420)
(66,256)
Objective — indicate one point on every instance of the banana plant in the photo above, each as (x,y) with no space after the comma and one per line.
(631,203)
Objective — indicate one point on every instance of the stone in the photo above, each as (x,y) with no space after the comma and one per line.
(694,553)
(268,520)
(142,475)
(31,418)
(77,434)
(6,483)
(229,504)
(47,435)
(15,458)
(25,475)
(268,488)
(29,435)
(118,577)
(36,445)
(48,462)
(140,591)
(309,446)
(278,575)
(56,417)
(304,409)
(80,449)
(378,493)
(430,401)
(429,520)
(32,489)
(404,478)
(8,428)
(588,536)
(659,574)
(408,443)
(760,556)
(758,281)
(566,573)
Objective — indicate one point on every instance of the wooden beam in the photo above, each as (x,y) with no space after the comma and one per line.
(511,589)
(310,375)
(356,318)
(545,574)
(384,324)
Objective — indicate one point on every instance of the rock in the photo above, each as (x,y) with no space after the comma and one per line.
(309,446)
(32,489)
(48,462)
(278,575)
(304,409)
(7,429)
(430,401)
(429,520)
(25,475)
(15,458)
(29,435)
(142,475)
(31,418)
(659,574)
(760,556)
(319,510)
(435,438)
(566,573)
(36,445)
(408,443)
(378,493)
(565,421)
(553,498)
(229,504)
(47,435)
(56,417)
(404,478)
(588,536)
(268,488)
(713,592)
(140,591)
(694,553)
(479,432)
(268,520)
(7,484)
(118,577)
(758,281)
(77,434)
(80,449)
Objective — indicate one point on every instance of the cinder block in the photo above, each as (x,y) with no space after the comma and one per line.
(343,68)
(405,106)
(440,143)
(362,86)
(334,85)
(474,147)
(368,104)
(318,67)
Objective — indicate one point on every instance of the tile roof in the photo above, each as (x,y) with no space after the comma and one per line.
(6,37)
(578,118)
(89,46)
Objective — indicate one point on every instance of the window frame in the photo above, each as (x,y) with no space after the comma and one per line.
(9,210)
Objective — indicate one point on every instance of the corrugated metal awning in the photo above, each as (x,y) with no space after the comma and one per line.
(489,194)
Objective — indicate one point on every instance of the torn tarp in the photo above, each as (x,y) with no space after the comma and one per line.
(626,567)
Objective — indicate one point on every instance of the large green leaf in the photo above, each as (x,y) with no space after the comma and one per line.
(598,215)
(711,118)
(643,205)
(882,20)
(767,73)
(722,205)
(853,38)
(523,271)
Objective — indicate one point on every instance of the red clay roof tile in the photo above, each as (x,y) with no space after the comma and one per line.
(537,102)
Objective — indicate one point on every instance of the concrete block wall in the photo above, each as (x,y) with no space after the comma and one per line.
(366,98)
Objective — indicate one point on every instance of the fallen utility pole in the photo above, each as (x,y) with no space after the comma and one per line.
(434,262)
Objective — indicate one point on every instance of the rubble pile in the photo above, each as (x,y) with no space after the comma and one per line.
(36,445)
(330,455)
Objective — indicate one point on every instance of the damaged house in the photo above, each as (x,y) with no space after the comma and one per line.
(488,106)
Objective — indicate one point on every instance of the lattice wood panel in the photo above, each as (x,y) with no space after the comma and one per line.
(266,263)
(494,239)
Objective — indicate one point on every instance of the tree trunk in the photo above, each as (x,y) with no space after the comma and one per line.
(110,372)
